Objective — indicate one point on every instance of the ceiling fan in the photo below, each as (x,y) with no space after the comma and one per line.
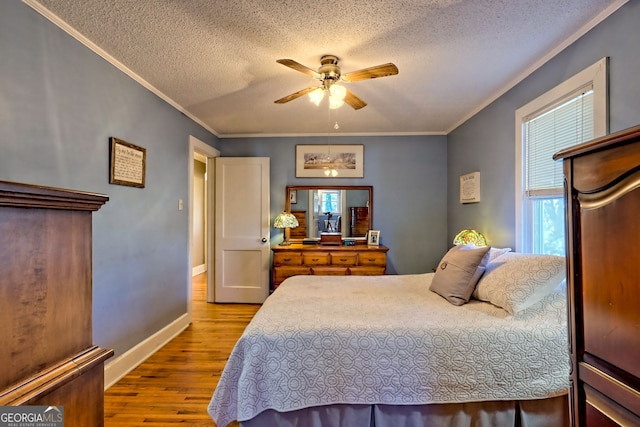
(328,74)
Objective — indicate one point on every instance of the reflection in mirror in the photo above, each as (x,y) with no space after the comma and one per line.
(330,209)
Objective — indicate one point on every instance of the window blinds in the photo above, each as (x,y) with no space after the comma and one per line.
(560,126)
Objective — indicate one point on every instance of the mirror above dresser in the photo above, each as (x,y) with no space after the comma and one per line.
(346,210)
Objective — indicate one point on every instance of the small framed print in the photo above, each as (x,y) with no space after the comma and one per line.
(470,188)
(373,238)
(127,163)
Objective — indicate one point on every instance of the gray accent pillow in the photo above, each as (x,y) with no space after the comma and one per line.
(459,271)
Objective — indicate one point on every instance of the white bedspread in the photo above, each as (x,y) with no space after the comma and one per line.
(389,340)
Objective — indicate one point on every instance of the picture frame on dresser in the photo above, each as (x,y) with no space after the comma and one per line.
(373,238)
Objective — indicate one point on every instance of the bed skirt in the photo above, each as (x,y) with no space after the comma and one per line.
(524,413)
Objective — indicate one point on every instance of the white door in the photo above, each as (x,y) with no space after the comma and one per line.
(242,228)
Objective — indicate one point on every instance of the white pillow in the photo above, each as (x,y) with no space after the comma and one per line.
(496,252)
(516,281)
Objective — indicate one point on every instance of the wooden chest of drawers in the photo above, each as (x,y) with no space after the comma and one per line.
(298,259)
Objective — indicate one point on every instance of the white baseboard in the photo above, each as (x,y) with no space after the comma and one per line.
(125,363)
(198,269)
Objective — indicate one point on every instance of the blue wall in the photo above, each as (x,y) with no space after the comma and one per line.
(59,104)
(408,175)
(486,142)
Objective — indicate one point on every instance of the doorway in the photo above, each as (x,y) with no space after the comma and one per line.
(200,151)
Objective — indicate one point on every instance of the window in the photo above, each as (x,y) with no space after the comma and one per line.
(571,113)
(329,201)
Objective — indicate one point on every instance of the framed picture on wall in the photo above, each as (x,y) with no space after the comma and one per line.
(128,163)
(470,188)
(330,161)
(373,238)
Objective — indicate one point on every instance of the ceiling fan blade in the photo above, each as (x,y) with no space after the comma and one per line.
(299,67)
(295,95)
(355,102)
(383,70)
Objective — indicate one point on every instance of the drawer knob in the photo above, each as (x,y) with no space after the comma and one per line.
(315,259)
(372,259)
(343,259)
(287,259)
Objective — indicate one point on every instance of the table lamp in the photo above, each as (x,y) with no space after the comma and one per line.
(285,220)
(470,236)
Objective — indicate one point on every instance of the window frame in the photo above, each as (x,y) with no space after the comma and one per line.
(321,200)
(595,76)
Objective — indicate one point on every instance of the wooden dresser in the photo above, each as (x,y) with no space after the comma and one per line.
(603,224)
(298,259)
(47,353)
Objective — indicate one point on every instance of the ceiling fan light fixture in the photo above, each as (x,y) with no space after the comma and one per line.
(335,102)
(329,73)
(316,96)
(338,91)
(337,94)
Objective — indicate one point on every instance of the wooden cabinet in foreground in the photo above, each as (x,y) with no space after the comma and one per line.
(603,224)
(47,355)
(299,259)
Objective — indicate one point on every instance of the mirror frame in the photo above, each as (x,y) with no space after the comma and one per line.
(327,187)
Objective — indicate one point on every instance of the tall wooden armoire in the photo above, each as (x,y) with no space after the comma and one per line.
(47,356)
(603,229)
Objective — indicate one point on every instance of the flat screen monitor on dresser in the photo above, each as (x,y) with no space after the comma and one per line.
(346,210)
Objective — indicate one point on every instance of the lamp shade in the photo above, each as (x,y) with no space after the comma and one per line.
(470,236)
(285,220)
(338,92)
(316,96)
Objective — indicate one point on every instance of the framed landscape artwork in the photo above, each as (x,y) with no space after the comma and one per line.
(329,161)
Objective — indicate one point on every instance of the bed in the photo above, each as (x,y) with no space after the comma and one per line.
(388,350)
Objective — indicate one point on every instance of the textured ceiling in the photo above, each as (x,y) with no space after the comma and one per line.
(216,60)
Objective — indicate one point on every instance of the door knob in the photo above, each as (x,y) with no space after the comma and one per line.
(264,240)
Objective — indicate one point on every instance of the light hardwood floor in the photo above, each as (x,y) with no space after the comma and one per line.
(174,385)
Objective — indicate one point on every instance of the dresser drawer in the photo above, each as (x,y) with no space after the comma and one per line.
(372,258)
(330,271)
(298,259)
(367,271)
(281,273)
(344,258)
(316,258)
(287,258)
